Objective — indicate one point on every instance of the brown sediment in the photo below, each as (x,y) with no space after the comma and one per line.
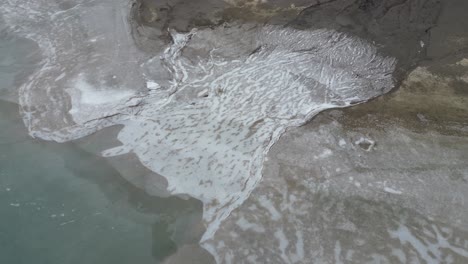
(183,16)
(425,101)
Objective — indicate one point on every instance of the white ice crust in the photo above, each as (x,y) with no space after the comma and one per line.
(232,91)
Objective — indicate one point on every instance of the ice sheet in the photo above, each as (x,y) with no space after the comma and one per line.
(232,91)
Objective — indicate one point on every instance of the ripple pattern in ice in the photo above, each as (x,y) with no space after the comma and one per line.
(215,100)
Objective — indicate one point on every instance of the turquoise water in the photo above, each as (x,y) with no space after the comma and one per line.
(62,204)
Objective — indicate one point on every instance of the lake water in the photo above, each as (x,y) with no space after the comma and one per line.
(62,204)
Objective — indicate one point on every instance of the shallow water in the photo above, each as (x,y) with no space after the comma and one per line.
(62,204)
(18,57)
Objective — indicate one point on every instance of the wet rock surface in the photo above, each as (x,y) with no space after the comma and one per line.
(399,27)
(343,188)
(382,182)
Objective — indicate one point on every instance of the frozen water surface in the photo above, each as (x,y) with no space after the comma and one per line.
(204,110)
(210,147)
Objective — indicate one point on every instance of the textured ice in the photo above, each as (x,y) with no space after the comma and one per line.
(205,111)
